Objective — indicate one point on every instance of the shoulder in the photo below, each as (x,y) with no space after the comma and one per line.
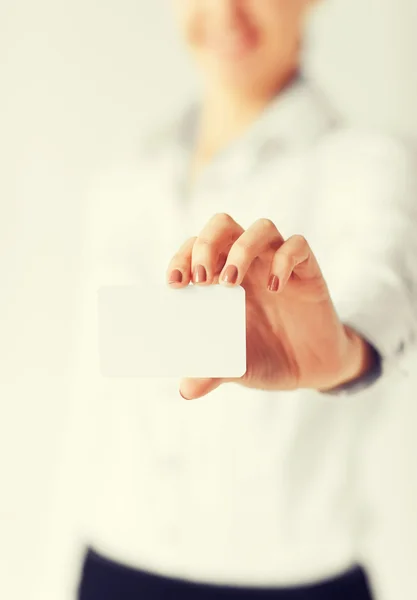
(148,149)
(126,187)
(151,150)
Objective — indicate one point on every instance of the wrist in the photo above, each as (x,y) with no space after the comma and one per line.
(358,358)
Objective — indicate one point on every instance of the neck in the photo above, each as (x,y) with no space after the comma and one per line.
(227,113)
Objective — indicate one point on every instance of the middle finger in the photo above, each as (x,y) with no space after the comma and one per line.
(261,237)
(216,238)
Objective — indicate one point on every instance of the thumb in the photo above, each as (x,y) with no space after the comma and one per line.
(191,389)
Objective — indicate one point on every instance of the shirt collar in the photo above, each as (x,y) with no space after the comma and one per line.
(293,119)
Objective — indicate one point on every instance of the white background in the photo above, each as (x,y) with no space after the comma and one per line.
(79,80)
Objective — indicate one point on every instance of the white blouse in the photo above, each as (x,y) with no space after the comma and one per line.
(242,486)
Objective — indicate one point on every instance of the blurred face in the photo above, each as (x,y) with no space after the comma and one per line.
(243,44)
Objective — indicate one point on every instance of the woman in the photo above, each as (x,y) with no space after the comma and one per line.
(249,493)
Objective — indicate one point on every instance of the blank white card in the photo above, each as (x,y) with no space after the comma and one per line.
(157,331)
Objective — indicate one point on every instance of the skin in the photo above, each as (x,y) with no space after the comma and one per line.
(247,51)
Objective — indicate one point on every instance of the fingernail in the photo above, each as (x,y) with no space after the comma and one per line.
(230,275)
(175,277)
(200,274)
(273,283)
(183,397)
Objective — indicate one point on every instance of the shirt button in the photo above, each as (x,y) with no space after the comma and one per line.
(271,147)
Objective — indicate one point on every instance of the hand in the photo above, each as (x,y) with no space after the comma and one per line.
(294,336)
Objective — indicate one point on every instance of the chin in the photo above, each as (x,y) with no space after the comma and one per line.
(231,74)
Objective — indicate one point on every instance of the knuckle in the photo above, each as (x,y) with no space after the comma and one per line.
(222,218)
(266,224)
(203,242)
(300,240)
(241,249)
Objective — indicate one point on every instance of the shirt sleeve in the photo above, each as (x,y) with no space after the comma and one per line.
(370,222)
